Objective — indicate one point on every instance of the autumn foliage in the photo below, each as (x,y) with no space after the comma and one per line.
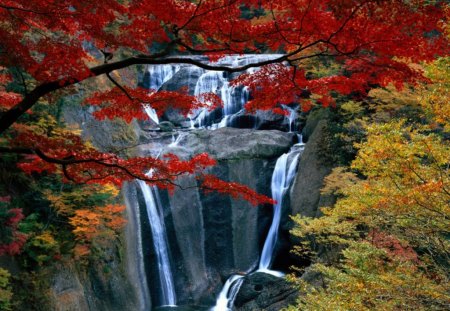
(53,45)
(11,240)
(97,226)
(384,244)
(54,48)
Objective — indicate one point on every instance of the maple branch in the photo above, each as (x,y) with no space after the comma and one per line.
(119,86)
(14,8)
(10,116)
(277,26)
(71,160)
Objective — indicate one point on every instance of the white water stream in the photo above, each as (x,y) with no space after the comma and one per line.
(282,177)
(156,220)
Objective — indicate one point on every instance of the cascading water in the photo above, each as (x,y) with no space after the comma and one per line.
(158,76)
(292,115)
(233,97)
(282,177)
(154,210)
(228,293)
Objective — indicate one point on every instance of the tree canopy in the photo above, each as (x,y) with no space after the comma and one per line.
(49,46)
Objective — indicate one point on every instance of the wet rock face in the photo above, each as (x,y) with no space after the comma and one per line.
(261,291)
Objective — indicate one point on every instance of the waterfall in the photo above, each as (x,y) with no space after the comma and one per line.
(159,74)
(176,141)
(151,113)
(217,82)
(292,115)
(154,211)
(282,177)
(135,262)
(228,293)
(234,99)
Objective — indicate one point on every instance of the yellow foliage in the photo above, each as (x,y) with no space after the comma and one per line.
(96,227)
(403,200)
(367,280)
(436,98)
(66,202)
(339,178)
(387,101)
(5,290)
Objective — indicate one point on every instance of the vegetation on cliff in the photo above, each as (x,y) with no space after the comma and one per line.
(384,244)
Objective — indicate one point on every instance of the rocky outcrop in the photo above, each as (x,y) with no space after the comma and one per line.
(305,196)
(111,282)
(234,144)
(261,291)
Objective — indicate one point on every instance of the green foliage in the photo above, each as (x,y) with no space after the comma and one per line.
(435,98)
(6,232)
(31,290)
(42,248)
(5,290)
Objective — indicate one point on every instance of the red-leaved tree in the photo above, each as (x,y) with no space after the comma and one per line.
(48,46)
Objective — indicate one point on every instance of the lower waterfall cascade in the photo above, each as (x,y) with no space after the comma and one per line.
(169,283)
(282,177)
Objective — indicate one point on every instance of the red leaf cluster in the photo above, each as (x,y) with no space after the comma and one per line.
(393,246)
(212,183)
(17,238)
(48,45)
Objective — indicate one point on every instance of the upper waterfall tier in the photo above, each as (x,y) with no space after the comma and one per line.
(198,81)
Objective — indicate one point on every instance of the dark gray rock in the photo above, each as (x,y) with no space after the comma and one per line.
(305,196)
(166,126)
(102,287)
(261,291)
(313,119)
(212,235)
(185,78)
(267,120)
(106,135)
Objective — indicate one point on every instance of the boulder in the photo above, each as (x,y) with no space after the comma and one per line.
(261,291)
(185,78)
